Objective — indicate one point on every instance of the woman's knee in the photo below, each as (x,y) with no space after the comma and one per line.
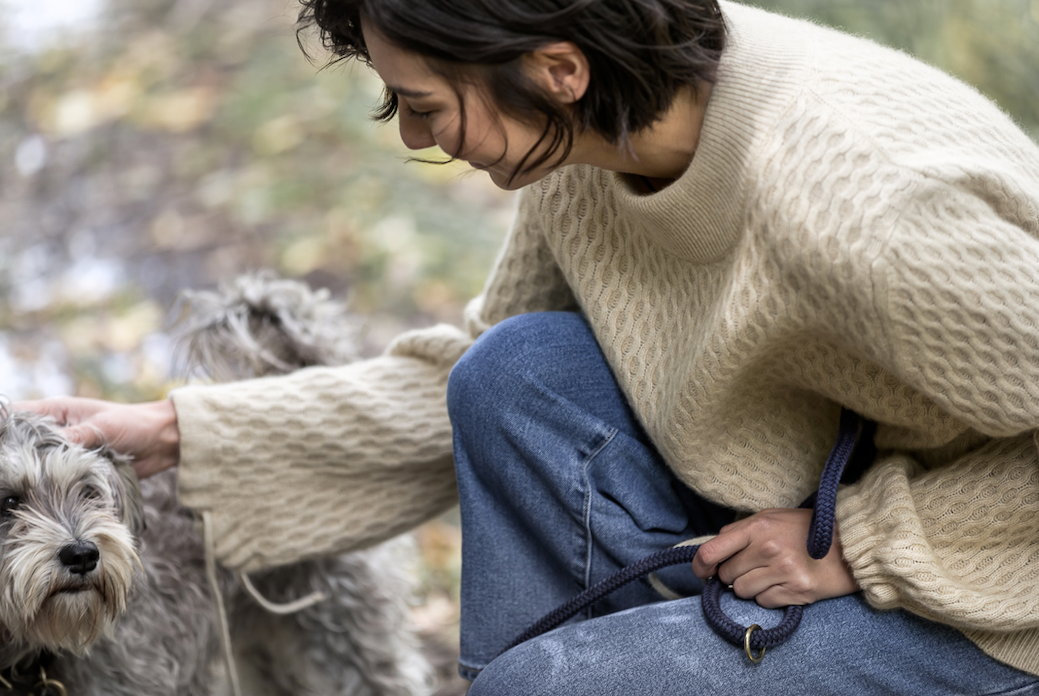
(519,671)
(507,354)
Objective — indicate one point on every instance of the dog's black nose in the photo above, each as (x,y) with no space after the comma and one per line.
(80,557)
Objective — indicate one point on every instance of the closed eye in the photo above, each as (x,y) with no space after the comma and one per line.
(419,114)
(412,111)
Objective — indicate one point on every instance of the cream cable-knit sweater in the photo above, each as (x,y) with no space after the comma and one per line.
(855,229)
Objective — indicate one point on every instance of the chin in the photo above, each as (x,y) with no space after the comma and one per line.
(502,179)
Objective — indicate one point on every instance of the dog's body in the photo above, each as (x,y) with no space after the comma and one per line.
(106,580)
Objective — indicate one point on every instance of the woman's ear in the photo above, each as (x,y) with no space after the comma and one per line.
(561,69)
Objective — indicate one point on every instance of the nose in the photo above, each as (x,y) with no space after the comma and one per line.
(415,133)
(80,557)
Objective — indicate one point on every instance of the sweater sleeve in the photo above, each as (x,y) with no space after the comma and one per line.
(955,544)
(958,295)
(331,459)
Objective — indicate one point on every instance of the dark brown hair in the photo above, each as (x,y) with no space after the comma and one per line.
(640,53)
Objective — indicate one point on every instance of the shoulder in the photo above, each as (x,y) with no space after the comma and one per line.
(914,113)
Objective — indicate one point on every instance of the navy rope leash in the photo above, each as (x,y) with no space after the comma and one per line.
(752,638)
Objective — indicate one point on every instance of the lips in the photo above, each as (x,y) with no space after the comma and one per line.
(72,589)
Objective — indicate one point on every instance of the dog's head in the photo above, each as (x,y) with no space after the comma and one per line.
(259,324)
(69,519)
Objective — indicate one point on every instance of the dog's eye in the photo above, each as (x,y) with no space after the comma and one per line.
(9,505)
(91,493)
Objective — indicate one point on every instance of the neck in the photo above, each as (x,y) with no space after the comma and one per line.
(12,652)
(660,153)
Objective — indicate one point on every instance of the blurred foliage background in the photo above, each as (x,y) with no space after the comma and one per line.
(152,145)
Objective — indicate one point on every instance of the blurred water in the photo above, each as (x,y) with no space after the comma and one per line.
(32,25)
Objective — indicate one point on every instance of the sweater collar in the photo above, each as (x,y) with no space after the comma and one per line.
(700,217)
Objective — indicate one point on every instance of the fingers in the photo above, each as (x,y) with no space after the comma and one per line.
(55,408)
(731,540)
(779,596)
(89,436)
(764,558)
(66,410)
(770,590)
(73,413)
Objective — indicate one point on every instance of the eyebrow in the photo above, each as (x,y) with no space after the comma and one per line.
(410,93)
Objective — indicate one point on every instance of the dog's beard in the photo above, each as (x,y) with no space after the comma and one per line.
(45,606)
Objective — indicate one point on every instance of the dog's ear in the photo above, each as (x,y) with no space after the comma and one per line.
(127,491)
(22,427)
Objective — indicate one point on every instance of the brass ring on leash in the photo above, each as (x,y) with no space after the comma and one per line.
(746,644)
(48,684)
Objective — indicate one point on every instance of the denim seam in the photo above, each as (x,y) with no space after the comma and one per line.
(588,511)
(1023,690)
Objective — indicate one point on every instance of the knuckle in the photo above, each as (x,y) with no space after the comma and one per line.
(756,522)
(771,548)
(707,556)
(801,583)
(769,601)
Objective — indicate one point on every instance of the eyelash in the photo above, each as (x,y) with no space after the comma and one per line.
(412,112)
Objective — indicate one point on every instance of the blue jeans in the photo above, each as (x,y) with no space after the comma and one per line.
(560,486)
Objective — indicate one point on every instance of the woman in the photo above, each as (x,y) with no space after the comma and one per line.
(732,226)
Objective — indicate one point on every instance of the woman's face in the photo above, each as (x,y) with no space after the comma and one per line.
(430,113)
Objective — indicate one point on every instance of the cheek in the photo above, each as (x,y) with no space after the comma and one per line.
(485,141)
(448,134)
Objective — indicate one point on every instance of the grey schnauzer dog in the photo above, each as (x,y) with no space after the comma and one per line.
(104,586)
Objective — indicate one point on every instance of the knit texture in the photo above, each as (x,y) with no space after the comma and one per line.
(856,229)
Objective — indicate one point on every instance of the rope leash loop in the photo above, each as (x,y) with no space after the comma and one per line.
(753,637)
(738,634)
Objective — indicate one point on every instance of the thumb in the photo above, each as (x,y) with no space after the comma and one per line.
(87,436)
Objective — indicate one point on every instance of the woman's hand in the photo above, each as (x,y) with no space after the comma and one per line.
(764,557)
(147,432)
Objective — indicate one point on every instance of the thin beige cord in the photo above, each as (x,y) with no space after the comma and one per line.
(658,584)
(281,609)
(221,613)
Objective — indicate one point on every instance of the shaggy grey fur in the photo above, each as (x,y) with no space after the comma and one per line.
(262,325)
(164,639)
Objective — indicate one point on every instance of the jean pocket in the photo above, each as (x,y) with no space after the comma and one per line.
(631,485)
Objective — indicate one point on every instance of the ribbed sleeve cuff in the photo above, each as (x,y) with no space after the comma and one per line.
(873,517)
(861,539)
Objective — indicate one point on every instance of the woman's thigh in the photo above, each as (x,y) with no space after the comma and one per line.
(843,646)
(558,484)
